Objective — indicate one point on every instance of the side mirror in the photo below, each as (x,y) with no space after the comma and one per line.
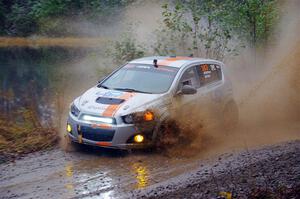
(188,90)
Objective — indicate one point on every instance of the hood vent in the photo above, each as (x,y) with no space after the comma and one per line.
(106,100)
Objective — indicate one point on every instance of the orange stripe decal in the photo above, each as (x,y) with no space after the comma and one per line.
(112,109)
(103,143)
(168,61)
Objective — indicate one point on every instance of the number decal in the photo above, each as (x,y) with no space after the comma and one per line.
(204,67)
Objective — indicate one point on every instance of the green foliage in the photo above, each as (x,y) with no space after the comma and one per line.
(171,38)
(2,17)
(214,28)
(126,49)
(253,20)
(22,18)
(17,20)
(46,8)
(194,27)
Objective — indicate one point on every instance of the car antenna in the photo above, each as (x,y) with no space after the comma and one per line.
(155,63)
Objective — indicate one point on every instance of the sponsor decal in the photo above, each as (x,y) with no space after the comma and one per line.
(96,107)
(143,66)
(126,107)
(212,67)
(84,102)
(207,76)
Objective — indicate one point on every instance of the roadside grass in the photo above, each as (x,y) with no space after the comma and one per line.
(17,139)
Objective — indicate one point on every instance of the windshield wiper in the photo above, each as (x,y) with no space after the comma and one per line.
(131,90)
(101,86)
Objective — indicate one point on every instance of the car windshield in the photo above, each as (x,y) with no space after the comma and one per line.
(141,78)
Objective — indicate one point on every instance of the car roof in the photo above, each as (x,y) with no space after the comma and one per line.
(174,61)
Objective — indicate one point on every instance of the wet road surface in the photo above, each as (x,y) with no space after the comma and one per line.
(103,173)
(57,174)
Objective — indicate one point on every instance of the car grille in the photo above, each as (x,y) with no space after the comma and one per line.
(96,134)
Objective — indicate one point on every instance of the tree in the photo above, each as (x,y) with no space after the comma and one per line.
(253,20)
(194,27)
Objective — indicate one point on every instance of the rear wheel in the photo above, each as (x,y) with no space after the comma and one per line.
(230,116)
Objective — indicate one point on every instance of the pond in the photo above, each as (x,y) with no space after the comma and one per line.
(36,79)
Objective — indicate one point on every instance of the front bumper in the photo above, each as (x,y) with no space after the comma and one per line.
(110,136)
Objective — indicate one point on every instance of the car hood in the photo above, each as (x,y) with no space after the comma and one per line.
(105,102)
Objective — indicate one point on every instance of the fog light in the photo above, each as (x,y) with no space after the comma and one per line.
(69,128)
(138,138)
(148,116)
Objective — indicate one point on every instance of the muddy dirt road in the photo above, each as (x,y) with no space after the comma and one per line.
(109,174)
(269,172)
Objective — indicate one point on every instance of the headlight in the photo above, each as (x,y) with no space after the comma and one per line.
(74,110)
(92,118)
(128,119)
(69,128)
(148,116)
(138,138)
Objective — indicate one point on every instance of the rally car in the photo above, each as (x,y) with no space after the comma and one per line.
(127,108)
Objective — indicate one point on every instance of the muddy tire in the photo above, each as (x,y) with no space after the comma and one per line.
(171,133)
(72,146)
(230,116)
(166,136)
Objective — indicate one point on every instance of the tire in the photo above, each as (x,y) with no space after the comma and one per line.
(72,146)
(230,116)
(171,133)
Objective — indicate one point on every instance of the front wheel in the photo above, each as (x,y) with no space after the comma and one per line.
(70,145)
(172,133)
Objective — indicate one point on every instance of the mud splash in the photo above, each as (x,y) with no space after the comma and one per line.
(266,86)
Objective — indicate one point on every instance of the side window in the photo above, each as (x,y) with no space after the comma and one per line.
(209,73)
(189,77)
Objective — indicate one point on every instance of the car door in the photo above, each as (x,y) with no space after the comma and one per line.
(211,82)
(200,107)
(186,107)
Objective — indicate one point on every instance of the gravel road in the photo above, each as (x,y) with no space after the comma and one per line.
(272,171)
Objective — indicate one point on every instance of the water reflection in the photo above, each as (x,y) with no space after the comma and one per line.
(69,172)
(142,174)
(31,81)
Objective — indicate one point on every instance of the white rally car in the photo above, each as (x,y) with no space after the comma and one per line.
(127,108)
